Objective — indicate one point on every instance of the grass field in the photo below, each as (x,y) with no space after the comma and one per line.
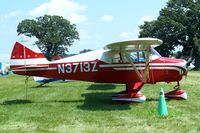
(87,107)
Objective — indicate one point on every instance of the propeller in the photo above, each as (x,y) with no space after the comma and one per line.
(190,61)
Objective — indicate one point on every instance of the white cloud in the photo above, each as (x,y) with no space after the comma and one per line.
(141,22)
(124,35)
(84,35)
(69,9)
(127,35)
(107,18)
(77,18)
(145,19)
(5,58)
(11,14)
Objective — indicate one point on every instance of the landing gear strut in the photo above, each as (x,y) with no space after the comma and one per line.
(131,94)
(177,94)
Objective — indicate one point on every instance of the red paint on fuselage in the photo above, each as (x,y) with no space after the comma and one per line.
(109,74)
(161,69)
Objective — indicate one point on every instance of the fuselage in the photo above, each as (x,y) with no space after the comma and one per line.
(105,66)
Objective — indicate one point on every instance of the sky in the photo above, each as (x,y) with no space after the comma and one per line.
(99,22)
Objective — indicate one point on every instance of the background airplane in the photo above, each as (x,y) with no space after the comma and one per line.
(4,69)
(44,80)
(133,63)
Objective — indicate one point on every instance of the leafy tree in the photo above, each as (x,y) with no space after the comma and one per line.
(69,55)
(85,50)
(177,24)
(54,33)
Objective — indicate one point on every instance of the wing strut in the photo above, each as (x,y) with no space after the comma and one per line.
(143,79)
(148,51)
(136,45)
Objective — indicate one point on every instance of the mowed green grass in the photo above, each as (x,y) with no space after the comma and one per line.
(87,107)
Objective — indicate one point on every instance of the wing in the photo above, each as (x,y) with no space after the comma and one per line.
(140,44)
(136,45)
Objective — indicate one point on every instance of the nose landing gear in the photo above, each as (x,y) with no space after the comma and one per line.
(177,94)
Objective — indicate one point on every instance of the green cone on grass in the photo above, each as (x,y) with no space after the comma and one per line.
(162,107)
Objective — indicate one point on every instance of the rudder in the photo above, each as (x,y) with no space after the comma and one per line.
(22,52)
(23,56)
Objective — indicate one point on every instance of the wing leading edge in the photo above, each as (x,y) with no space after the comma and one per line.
(140,44)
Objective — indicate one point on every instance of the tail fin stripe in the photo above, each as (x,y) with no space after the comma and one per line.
(19,52)
(29,61)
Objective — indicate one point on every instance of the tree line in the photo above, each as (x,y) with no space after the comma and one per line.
(178,24)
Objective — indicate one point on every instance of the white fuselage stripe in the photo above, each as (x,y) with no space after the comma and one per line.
(153,68)
(143,64)
(28,61)
(35,69)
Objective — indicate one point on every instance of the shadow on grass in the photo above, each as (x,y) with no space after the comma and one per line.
(18,101)
(41,86)
(156,100)
(151,99)
(63,101)
(101,101)
(101,87)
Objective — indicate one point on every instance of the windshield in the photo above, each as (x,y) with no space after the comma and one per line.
(154,54)
(135,56)
(141,56)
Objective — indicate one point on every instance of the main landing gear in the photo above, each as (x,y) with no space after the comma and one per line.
(131,95)
(177,94)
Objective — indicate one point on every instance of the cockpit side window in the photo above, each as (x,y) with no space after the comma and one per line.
(137,56)
(141,56)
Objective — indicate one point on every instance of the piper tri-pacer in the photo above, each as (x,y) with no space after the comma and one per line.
(133,63)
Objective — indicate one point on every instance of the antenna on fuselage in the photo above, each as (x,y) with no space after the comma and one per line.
(26,79)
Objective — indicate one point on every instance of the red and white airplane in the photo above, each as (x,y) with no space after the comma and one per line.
(133,63)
